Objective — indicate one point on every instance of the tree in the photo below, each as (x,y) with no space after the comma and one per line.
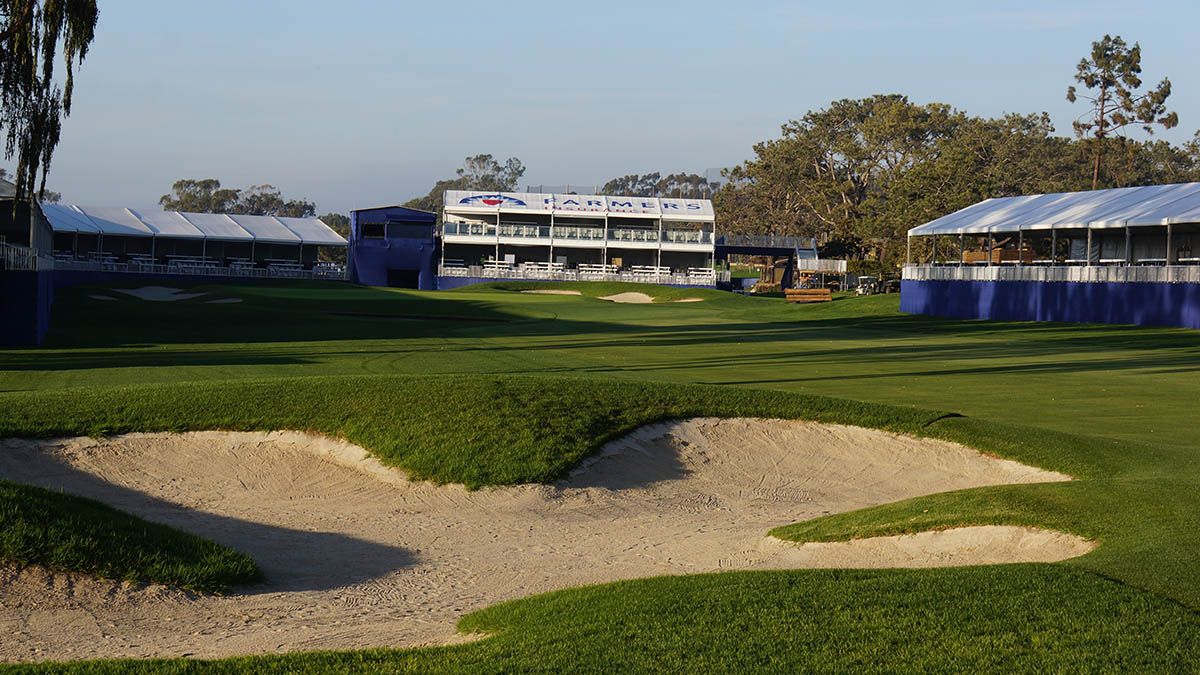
(199,196)
(829,174)
(1112,74)
(341,224)
(678,185)
(480,172)
(47,196)
(32,102)
(207,196)
(266,200)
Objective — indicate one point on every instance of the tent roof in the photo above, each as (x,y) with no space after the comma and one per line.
(1119,207)
(115,221)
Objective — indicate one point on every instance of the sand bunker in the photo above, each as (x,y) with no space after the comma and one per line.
(357,556)
(101,297)
(980,545)
(689,300)
(158,293)
(223,301)
(552,292)
(629,298)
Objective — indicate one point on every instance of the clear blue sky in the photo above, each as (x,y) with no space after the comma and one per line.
(359,103)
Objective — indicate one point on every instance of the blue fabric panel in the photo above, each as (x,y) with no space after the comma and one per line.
(1141,304)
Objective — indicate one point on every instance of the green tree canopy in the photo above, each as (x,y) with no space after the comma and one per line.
(480,172)
(207,196)
(32,102)
(1111,73)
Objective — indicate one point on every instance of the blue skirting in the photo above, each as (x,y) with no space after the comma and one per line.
(1141,304)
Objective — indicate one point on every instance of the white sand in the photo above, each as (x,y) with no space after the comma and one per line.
(223,301)
(101,297)
(629,298)
(357,556)
(552,292)
(689,300)
(979,545)
(158,293)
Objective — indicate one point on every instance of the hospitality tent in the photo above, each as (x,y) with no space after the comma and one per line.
(161,235)
(1146,224)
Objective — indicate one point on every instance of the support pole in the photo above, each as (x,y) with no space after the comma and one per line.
(1089,247)
(1053,246)
(1020,247)
(1128,246)
(962,248)
(908,250)
(1170,256)
(990,245)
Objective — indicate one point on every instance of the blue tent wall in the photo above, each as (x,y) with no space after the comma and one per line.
(409,245)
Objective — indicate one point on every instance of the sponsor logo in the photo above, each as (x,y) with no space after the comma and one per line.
(491,200)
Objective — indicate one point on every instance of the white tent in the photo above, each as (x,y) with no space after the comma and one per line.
(1151,205)
(112,221)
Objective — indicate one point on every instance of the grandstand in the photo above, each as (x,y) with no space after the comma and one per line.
(570,237)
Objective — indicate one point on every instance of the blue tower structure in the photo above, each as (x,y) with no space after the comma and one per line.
(393,246)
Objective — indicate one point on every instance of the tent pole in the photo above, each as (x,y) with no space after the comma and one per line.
(990,245)
(1020,247)
(1053,246)
(962,248)
(1089,247)
(1169,256)
(1128,247)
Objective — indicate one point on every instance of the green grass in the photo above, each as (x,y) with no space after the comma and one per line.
(477,431)
(531,383)
(64,532)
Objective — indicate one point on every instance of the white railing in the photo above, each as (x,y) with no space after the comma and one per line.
(278,271)
(1159,274)
(22,259)
(821,265)
(586,272)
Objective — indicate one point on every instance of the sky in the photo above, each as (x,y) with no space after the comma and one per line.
(361,103)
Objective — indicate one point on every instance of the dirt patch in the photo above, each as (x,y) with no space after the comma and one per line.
(158,293)
(356,555)
(552,292)
(630,298)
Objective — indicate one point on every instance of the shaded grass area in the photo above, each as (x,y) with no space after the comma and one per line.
(68,533)
(1023,618)
(452,429)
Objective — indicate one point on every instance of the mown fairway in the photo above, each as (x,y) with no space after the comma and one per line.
(1110,405)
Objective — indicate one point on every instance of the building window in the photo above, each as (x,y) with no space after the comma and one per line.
(372,230)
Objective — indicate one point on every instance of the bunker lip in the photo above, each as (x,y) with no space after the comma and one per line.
(355,555)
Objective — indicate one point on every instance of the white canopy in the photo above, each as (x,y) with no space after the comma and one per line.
(1144,206)
(113,221)
(266,229)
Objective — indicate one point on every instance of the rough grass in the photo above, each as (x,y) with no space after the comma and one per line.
(67,533)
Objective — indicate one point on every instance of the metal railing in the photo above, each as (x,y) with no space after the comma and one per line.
(690,277)
(1158,274)
(575,232)
(821,265)
(22,259)
(204,270)
(766,241)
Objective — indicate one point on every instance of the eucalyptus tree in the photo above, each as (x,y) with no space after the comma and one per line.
(33,103)
(1111,75)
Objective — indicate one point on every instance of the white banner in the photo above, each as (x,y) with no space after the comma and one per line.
(672,209)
